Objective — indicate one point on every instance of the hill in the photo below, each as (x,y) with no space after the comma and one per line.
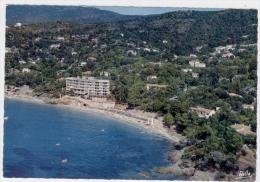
(39,14)
(185,30)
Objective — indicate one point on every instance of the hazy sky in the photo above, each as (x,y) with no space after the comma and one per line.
(147,11)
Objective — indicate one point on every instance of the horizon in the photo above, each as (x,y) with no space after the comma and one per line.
(150,10)
(140,11)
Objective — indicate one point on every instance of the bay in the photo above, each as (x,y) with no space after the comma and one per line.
(47,141)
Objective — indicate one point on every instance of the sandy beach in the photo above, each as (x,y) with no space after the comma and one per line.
(128,117)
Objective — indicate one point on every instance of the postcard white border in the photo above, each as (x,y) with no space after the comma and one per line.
(236,4)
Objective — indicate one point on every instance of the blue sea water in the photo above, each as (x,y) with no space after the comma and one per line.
(46,141)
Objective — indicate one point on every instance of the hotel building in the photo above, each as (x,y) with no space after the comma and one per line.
(89,86)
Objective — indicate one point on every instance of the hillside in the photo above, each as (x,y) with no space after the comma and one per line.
(188,29)
(39,14)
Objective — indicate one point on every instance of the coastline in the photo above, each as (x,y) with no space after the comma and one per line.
(174,156)
(156,129)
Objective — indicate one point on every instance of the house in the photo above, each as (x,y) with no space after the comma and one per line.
(83,64)
(26,70)
(203,112)
(197,64)
(54,46)
(156,87)
(8,50)
(186,70)
(243,129)
(195,75)
(164,41)
(193,56)
(151,77)
(155,50)
(228,55)
(131,53)
(59,38)
(73,53)
(37,39)
(248,106)
(91,59)
(147,50)
(131,44)
(22,62)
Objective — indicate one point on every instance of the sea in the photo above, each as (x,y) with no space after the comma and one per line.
(48,141)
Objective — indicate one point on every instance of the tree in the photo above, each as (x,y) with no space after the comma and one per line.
(168,119)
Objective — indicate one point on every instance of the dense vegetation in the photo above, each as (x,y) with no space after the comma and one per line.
(160,46)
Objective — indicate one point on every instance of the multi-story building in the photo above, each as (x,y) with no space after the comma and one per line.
(89,86)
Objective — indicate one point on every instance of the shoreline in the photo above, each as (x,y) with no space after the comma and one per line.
(174,156)
(157,129)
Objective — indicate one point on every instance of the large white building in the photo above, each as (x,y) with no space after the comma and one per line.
(89,86)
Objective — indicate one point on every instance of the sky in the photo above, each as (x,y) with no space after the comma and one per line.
(148,11)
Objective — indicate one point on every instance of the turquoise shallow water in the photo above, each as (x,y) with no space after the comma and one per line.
(54,142)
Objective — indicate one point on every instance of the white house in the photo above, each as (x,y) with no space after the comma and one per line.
(186,70)
(26,70)
(131,53)
(151,77)
(248,106)
(164,41)
(195,75)
(228,55)
(83,63)
(22,62)
(91,59)
(197,64)
(193,56)
(54,46)
(203,112)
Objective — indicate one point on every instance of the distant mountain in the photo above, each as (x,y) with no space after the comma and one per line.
(39,14)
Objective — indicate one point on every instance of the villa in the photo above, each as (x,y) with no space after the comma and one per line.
(197,64)
(203,112)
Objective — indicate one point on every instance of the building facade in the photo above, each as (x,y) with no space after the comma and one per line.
(89,86)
